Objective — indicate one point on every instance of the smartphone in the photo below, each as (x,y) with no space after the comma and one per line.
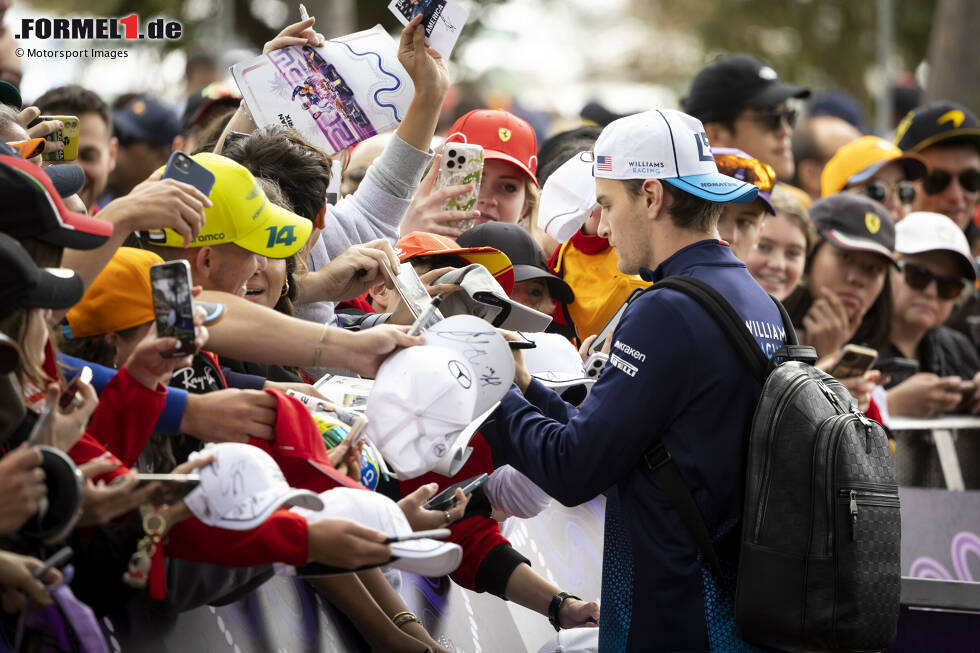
(173,305)
(967,388)
(412,291)
(897,368)
(595,364)
(60,557)
(66,398)
(607,330)
(68,135)
(174,487)
(183,168)
(462,163)
(525,343)
(434,534)
(446,499)
(854,361)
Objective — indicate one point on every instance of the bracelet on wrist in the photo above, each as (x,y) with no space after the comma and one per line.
(405,617)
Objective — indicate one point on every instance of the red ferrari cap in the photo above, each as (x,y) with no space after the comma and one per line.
(502,135)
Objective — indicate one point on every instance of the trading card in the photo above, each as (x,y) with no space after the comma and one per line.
(443,20)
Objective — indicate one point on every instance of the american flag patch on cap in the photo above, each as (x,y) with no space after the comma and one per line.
(603,163)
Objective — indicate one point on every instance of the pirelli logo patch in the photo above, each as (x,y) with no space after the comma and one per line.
(622,365)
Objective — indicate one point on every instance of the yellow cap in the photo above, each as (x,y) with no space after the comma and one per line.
(242,214)
(859,160)
(120,297)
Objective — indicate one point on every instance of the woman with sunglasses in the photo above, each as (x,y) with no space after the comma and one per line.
(934,270)
(874,167)
(740,224)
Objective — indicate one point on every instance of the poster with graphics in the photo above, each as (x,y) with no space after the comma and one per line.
(335,96)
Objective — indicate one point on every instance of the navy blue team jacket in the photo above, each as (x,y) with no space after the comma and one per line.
(672,377)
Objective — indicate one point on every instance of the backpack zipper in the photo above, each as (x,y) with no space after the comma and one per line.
(842,420)
(871,498)
(766,476)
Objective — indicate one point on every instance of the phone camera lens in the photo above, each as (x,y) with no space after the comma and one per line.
(461,160)
(184,164)
(452,154)
(450,164)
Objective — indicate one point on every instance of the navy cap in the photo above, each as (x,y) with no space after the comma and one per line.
(25,284)
(67,178)
(147,120)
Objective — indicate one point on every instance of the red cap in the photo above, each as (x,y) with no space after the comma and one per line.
(502,135)
(33,208)
(298,449)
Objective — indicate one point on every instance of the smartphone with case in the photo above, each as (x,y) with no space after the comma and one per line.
(173,487)
(854,361)
(462,163)
(183,168)
(67,398)
(173,305)
(68,135)
(610,326)
(447,498)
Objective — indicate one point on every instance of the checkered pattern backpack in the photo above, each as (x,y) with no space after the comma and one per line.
(819,565)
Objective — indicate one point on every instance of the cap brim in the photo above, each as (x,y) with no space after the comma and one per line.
(965,263)
(560,381)
(556,285)
(56,288)
(519,317)
(911,166)
(843,241)
(716,187)
(425,557)
(501,156)
(966,135)
(302,499)
(776,93)
(272,215)
(67,178)
(127,130)
(492,259)
(10,95)
(30,148)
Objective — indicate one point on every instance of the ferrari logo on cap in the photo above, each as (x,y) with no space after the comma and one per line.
(872,222)
(504,134)
(955,116)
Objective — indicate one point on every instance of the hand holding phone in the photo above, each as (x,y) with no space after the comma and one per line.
(173,305)
(67,136)
(854,361)
(60,557)
(447,498)
(173,487)
(461,164)
(68,398)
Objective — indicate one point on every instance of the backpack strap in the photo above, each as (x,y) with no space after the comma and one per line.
(657,458)
(725,317)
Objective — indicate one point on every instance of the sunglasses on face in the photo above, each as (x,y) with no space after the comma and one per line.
(919,278)
(879,191)
(773,120)
(937,180)
(747,169)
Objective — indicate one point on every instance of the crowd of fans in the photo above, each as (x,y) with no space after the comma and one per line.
(866,240)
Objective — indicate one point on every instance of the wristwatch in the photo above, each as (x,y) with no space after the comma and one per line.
(556,602)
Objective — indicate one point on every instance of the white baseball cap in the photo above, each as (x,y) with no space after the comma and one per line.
(555,362)
(424,557)
(483,296)
(421,399)
(923,231)
(669,145)
(242,487)
(486,351)
(567,198)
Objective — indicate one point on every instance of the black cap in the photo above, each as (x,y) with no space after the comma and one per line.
(10,95)
(523,252)
(938,122)
(855,222)
(67,178)
(145,119)
(735,81)
(22,283)
(200,101)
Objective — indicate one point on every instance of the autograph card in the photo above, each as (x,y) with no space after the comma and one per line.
(443,20)
(335,96)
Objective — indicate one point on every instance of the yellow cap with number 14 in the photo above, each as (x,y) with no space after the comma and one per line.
(242,214)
